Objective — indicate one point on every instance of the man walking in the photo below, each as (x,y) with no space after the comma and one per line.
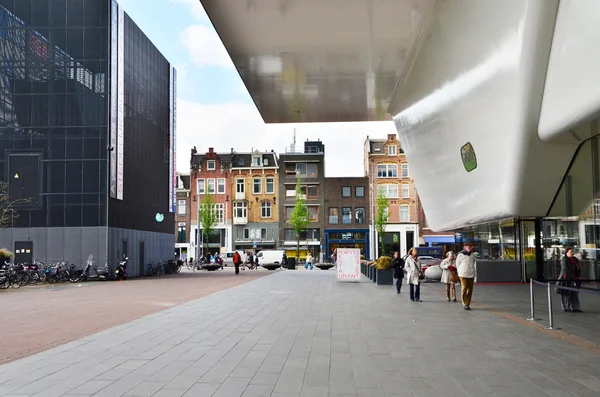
(466,267)
(237,260)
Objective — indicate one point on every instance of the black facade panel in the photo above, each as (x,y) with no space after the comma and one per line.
(146,138)
(53,105)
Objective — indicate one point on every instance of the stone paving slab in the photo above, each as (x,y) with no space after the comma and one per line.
(298,334)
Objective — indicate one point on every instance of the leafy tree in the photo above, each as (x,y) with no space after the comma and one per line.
(381,217)
(208,216)
(300,217)
(8,207)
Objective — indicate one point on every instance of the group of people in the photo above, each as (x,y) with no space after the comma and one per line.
(454,268)
(250,260)
(462,268)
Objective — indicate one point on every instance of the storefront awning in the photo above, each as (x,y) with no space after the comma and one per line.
(439,239)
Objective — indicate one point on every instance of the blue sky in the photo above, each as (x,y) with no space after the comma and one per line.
(214,108)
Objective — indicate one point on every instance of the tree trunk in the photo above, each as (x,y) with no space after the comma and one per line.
(298,249)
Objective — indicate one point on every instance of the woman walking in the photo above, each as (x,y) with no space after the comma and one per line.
(570,276)
(448,271)
(413,275)
(398,266)
(466,266)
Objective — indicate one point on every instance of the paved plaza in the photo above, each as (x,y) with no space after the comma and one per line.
(300,333)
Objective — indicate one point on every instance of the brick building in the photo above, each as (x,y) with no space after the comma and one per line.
(255,183)
(182,217)
(388,172)
(347,214)
(309,165)
(211,174)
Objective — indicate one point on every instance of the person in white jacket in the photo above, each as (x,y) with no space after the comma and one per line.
(413,273)
(466,265)
(446,265)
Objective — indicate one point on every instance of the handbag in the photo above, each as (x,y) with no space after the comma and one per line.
(454,277)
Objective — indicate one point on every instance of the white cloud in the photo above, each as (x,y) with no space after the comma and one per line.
(196,8)
(239,126)
(205,47)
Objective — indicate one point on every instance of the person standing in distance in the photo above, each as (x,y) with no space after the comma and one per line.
(398,266)
(414,275)
(466,265)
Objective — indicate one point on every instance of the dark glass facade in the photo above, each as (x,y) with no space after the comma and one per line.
(146,138)
(53,109)
(54,117)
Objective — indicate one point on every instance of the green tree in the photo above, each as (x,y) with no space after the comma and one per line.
(381,217)
(8,207)
(207,215)
(299,218)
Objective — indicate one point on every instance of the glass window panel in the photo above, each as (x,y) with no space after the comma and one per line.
(346,215)
(333,215)
(311,169)
(346,191)
(301,169)
(360,191)
(359,215)
(270,185)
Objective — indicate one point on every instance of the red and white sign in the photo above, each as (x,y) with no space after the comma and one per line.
(348,264)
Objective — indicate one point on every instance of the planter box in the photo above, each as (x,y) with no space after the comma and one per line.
(369,275)
(385,277)
(324,266)
(374,271)
(271,266)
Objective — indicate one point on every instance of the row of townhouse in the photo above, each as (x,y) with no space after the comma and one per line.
(255,195)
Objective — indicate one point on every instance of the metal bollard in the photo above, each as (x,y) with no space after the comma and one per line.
(550,314)
(531,301)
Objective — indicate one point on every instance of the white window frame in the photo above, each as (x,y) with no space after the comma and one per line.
(210,163)
(240,185)
(406,212)
(404,172)
(385,189)
(390,171)
(220,213)
(392,150)
(201,186)
(240,205)
(181,206)
(221,183)
(266,209)
(257,163)
(405,190)
(209,182)
(253,185)
(272,182)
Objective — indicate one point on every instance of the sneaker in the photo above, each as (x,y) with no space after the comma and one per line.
(467,308)
(577,311)
(453,300)
(418,300)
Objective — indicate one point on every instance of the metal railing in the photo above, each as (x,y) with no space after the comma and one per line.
(549,284)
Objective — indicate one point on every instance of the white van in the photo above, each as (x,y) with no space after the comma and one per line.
(269,257)
(228,257)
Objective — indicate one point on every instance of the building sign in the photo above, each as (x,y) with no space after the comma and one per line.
(114,42)
(121,103)
(172,140)
(348,264)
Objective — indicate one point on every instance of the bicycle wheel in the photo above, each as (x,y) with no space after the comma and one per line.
(16,281)
(25,278)
(41,276)
(34,278)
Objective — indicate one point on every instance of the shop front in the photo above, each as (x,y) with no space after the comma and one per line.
(355,238)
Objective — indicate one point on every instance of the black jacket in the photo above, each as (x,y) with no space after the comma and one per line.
(398,266)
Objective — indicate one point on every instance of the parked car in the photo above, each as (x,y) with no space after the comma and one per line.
(431,267)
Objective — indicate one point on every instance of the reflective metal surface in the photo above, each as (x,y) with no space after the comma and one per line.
(467,113)
(572,94)
(319,60)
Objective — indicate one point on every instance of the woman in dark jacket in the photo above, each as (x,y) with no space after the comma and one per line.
(570,276)
(398,266)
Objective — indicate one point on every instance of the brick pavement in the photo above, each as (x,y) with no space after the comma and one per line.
(297,334)
(34,319)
